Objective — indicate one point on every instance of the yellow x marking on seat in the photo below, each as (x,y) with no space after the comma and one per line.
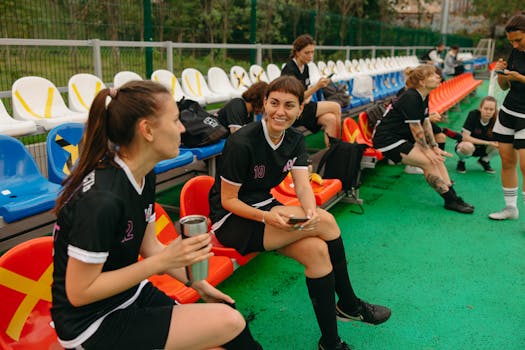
(73,153)
(98,85)
(352,135)
(34,291)
(47,108)
(240,79)
(160,224)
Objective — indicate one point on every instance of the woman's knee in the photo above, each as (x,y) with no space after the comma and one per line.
(465,148)
(233,321)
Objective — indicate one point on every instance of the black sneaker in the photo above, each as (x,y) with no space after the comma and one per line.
(486,166)
(459,206)
(460,168)
(461,201)
(340,346)
(368,313)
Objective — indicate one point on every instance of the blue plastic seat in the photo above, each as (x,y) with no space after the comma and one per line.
(24,191)
(208,153)
(185,157)
(62,150)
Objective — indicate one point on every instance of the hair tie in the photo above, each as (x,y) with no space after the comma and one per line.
(111,95)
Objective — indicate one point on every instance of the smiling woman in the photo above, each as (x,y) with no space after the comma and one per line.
(245,216)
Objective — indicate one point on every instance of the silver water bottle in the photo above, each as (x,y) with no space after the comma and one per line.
(193,225)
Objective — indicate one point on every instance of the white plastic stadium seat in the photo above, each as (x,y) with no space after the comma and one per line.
(219,82)
(13,127)
(239,78)
(169,80)
(123,77)
(37,99)
(315,75)
(273,71)
(195,85)
(257,74)
(82,89)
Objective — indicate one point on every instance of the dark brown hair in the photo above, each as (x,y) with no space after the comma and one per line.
(255,96)
(494,117)
(418,74)
(300,43)
(112,119)
(288,84)
(516,23)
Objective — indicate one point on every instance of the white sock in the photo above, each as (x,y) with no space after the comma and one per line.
(511,196)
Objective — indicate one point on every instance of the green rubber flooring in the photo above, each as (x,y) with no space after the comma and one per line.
(453,281)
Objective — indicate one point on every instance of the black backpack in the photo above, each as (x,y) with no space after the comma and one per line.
(337,93)
(202,128)
(342,161)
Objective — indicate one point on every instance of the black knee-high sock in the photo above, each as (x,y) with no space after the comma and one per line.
(322,294)
(343,287)
(441,145)
(243,341)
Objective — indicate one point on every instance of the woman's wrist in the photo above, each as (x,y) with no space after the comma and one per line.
(263,217)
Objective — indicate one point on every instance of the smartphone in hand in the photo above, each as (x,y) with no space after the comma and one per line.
(330,75)
(294,220)
(500,71)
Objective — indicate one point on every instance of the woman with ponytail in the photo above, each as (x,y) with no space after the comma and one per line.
(105,220)
(405,135)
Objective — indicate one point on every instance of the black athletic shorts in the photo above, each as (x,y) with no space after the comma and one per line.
(245,235)
(144,324)
(395,153)
(308,118)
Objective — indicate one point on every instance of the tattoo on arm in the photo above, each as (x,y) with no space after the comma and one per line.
(429,134)
(419,134)
(437,183)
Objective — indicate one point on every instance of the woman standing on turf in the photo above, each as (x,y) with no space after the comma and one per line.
(245,216)
(405,135)
(315,115)
(105,219)
(509,130)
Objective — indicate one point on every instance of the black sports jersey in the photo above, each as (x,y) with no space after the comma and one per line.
(476,129)
(515,99)
(393,129)
(234,114)
(292,69)
(103,223)
(251,161)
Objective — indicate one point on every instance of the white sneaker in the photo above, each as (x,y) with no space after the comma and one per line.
(506,213)
(410,169)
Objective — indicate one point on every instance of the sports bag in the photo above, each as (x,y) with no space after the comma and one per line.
(375,113)
(337,93)
(342,161)
(202,128)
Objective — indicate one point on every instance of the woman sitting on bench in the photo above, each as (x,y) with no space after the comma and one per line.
(245,216)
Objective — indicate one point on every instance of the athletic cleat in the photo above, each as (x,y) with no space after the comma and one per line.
(507,213)
(368,313)
(461,201)
(460,168)
(340,346)
(486,166)
(410,169)
(460,206)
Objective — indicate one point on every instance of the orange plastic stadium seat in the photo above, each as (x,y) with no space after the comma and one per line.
(351,133)
(194,201)
(26,274)
(323,193)
(219,267)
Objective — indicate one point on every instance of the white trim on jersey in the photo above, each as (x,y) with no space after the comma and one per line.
(219,223)
(87,256)
(130,176)
(512,113)
(267,135)
(231,182)
(392,146)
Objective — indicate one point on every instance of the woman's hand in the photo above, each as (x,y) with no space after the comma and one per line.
(323,82)
(183,252)
(277,219)
(210,294)
(501,64)
(436,155)
(435,117)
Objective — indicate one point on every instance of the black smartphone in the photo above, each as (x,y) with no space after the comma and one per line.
(330,75)
(500,71)
(294,220)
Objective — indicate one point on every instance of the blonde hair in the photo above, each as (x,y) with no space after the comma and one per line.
(415,75)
